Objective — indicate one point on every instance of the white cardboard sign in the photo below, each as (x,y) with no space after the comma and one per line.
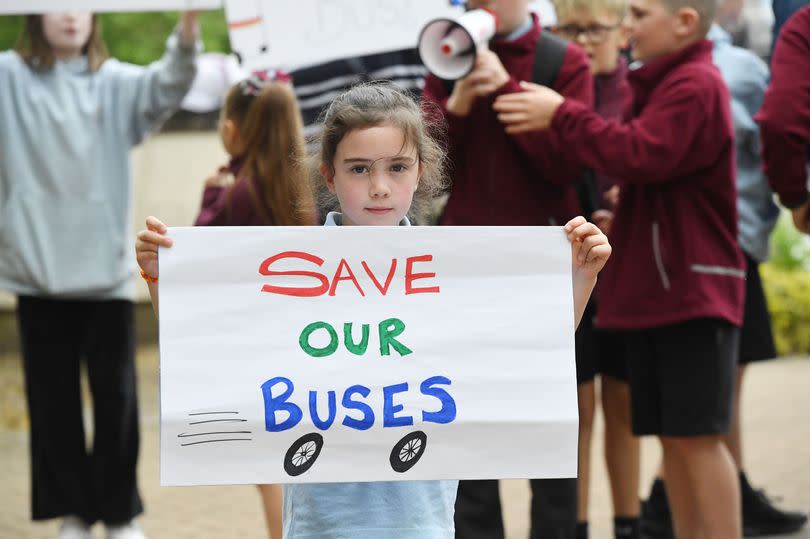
(329,354)
(268,33)
(100,6)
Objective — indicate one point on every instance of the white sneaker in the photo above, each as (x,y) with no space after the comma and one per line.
(74,528)
(130,530)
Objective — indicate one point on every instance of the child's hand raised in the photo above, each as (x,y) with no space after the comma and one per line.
(529,110)
(590,249)
(146,248)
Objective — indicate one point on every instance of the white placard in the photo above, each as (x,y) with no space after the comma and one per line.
(267,33)
(467,370)
(100,6)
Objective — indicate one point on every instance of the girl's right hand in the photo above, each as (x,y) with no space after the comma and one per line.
(146,248)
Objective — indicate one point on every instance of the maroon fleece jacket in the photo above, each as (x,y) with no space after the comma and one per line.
(675,252)
(784,119)
(501,179)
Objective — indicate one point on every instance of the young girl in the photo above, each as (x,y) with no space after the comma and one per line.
(378,164)
(261,130)
(68,119)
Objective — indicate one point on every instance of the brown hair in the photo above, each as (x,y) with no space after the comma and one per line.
(270,127)
(34,48)
(381,103)
(705,9)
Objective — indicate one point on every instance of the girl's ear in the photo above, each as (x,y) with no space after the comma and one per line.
(419,176)
(328,176)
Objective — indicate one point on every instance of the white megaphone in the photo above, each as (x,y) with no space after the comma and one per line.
(448,46)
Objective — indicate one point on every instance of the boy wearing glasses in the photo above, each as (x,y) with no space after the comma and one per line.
(596,27)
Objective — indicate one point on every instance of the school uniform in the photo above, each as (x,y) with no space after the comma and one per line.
(601,351)
(502,179)
(675,281)
(66,251)
(239,204)
(747,78)
(784,120)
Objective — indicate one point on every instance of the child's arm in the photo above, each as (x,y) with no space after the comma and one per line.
(545,150)
(146,252)
(146,96)
(590,251)
(785,119)
(663,138)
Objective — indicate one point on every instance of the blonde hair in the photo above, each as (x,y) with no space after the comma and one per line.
(270,127)
(374,104)
(567,8)
(34,48)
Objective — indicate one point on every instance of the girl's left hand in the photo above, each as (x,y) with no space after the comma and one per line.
(590,248)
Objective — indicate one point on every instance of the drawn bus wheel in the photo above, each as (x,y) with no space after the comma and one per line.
(302,454)
(408,451)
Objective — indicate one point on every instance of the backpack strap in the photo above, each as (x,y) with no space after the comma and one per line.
(548,58)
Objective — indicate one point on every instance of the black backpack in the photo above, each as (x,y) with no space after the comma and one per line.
(547,63)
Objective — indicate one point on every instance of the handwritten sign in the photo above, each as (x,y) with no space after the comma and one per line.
(267,33)
(100,6)
(324,354)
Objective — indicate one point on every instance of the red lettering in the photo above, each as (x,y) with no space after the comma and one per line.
(338,277)
(382,289)
(410,277)
(264,269)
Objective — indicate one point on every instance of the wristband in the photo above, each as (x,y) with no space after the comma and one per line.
(148,278)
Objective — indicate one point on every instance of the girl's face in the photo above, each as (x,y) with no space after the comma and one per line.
(67,33)
(375,176)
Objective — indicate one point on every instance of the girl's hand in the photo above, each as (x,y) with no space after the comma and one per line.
(189,28)
(146,247)
(590,249)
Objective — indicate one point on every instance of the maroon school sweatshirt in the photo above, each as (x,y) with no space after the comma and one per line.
(784,119)
(235,205)
(501,179)
(675,252)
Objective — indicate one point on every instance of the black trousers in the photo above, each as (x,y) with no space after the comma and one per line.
(67,478)
(553,509)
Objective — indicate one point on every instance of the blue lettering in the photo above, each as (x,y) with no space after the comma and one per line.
(448,411)
(389,409)
(313,410)
(273,404)
(349,404)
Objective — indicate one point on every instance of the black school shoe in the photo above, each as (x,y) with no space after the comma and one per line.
(656,520)
(760,517)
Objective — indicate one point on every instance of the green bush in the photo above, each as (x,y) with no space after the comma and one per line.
(788,294)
